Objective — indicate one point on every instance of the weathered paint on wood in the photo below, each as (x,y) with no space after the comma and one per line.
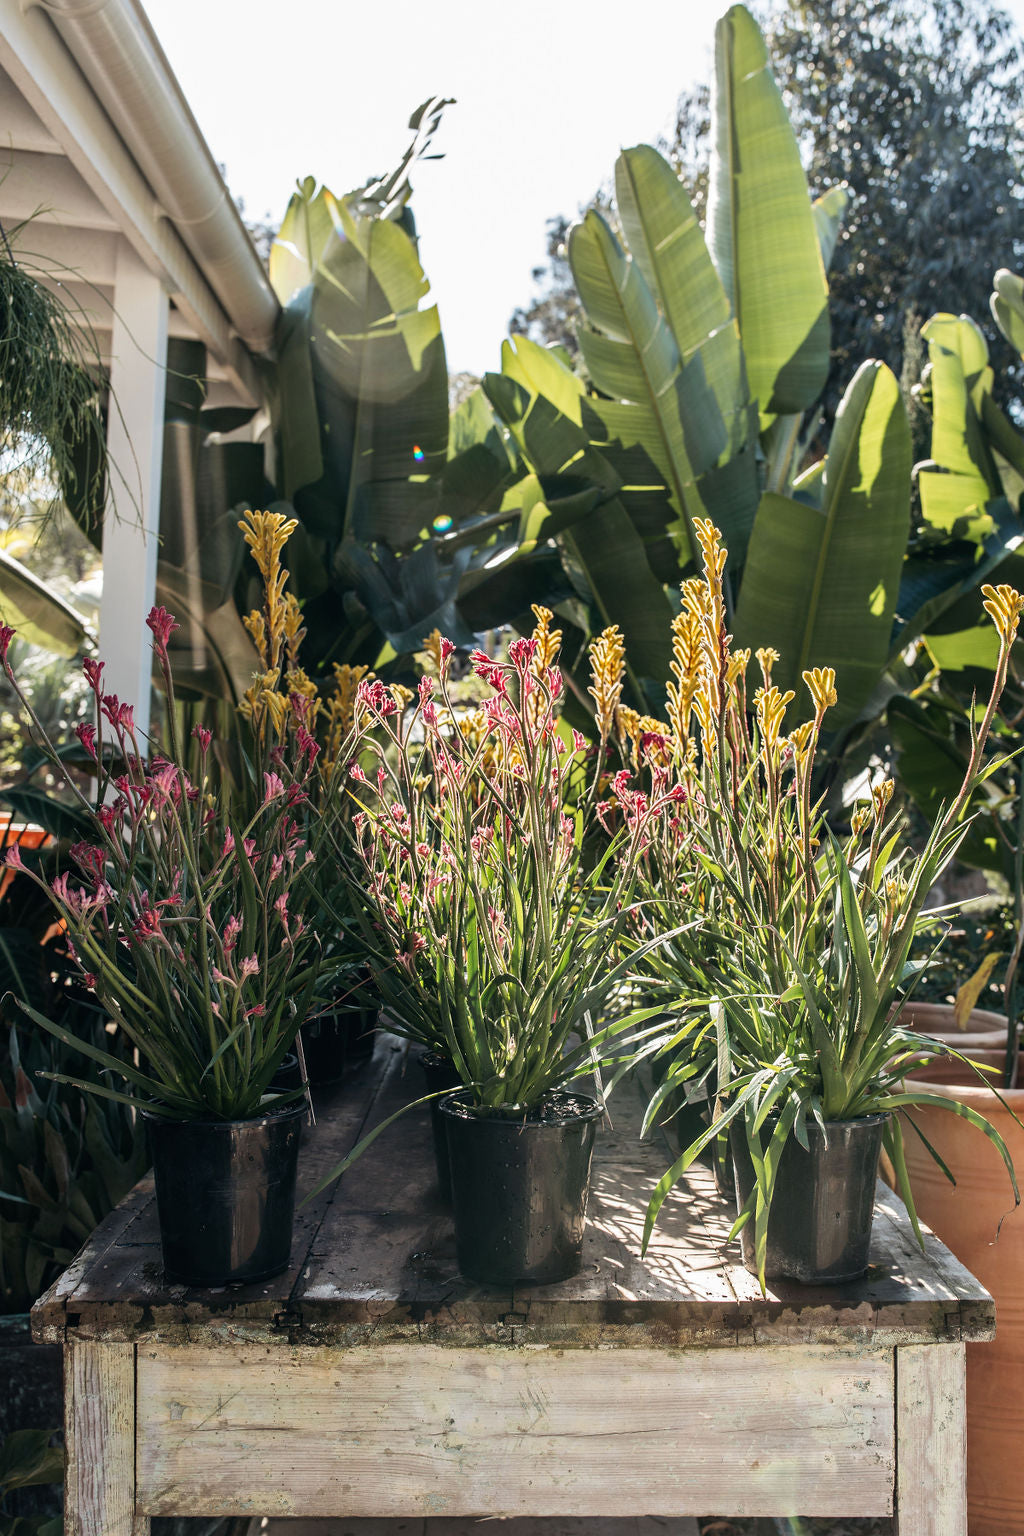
(99,1433)
(931,1434)
(391,1430)
(374,1258)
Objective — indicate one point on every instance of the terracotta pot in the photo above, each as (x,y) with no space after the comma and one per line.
(984,1040)
(966,1217)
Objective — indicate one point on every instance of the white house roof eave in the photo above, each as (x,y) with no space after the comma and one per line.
(117,50)
(201,250)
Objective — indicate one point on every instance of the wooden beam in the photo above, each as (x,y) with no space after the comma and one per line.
(89,255)
(99,1432)
(135,448)
(23,128)
(406,1430)
(931,1440)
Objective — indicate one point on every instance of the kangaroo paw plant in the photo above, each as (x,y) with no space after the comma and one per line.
(791,988)
(491,943)
(188,927)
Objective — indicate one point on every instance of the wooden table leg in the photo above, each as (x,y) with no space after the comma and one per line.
(99,1433)
(931,1440)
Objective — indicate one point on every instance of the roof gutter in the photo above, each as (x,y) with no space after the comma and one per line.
(117,50)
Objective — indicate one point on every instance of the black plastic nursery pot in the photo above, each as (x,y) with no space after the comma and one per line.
(225,1194)
(287,1076)
(336,1043)
(819,1226)
(439,1075)
(520,1187)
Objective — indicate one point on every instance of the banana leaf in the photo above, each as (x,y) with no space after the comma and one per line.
(39,614)
(1007,304)
(602,544)
(762,232)
(935,578)
(212,654)
(932,767)
(829,212)
(655,397)
(961,479)
(309,220)
(667,243)
(821,586)
(41,809)
(380,382)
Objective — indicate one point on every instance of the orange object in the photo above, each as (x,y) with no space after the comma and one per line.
(26,835)
(967,1218)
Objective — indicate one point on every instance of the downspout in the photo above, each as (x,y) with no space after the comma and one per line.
(117,50)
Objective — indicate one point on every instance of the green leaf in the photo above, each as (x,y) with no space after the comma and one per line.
(762,232)
(908,1097)
(38,807)
(27,1459)
(308,223)
(222,660)
(821,587)
(381,378)
(961,478)
(294,401)
(602,544)
(633,358)
(1007,304)
(40,615)
(667,242)
(933,580)
(22,972)
(829,212)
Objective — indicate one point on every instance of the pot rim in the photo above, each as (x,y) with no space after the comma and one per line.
(812,1125)
(265,1118)
(989,1020)
(593,1110)
(974,1094)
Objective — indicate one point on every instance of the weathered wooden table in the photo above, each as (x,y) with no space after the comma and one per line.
(370,1379)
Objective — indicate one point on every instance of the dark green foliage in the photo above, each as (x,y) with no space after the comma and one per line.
(64,1161)
(29,1459)
(50,418)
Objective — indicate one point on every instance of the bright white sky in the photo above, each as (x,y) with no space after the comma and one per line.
(547,91)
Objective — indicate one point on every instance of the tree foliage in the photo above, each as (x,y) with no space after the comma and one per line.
(917,106)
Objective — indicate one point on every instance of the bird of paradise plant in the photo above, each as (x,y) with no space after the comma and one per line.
(803,950)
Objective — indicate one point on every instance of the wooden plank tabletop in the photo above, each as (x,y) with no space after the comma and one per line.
(373,1259)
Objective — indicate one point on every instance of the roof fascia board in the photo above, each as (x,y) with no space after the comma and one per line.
(119,54)
(38,62)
